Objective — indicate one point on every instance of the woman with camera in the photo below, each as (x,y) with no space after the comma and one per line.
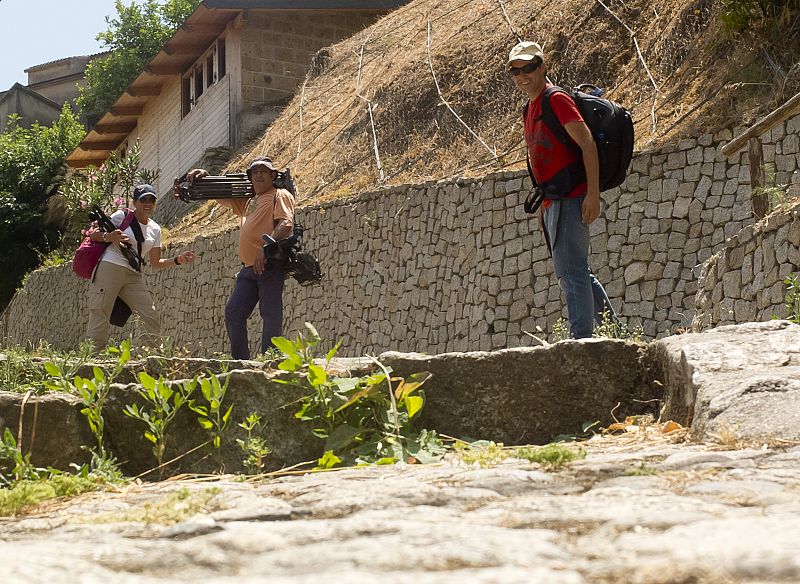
(116,281)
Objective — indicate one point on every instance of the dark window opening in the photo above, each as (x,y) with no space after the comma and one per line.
(221,58)
(186,94)
(198,83)
(211,75)
(205,72)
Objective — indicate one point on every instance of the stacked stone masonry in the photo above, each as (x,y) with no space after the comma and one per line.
(745,281)
(273,71)
(457,265)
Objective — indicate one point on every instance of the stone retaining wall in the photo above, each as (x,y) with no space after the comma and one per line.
(744,281)
(457,265)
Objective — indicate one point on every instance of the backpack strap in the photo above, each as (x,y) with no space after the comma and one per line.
(137,233)
(127,220)
(551,121)
(534,199)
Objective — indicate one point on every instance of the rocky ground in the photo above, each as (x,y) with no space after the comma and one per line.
(642,507)
(717,501)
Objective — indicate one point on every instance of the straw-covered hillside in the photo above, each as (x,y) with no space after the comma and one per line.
(424,94)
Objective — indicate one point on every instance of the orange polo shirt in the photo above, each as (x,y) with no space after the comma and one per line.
(259,215)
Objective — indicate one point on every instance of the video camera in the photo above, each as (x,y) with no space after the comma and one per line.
(286,254)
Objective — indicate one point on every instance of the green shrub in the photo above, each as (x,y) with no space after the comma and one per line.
(363,420)
(31,169)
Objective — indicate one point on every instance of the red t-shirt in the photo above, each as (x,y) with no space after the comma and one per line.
(548,155)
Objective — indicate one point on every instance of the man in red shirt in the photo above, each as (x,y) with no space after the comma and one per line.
(570,178)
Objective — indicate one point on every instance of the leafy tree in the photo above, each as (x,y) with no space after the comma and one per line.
(134,37)
(31,169)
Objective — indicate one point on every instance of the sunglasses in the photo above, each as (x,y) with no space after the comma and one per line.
(529,68)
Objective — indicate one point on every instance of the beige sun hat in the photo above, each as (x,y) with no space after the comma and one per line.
(526,51)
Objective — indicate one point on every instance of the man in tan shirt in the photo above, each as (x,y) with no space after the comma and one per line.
(270,212)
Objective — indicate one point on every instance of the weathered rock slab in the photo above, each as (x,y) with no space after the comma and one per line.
(532,394)
(737,381)
(721,516)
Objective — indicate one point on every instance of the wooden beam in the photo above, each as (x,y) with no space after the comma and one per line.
(185,49)
(144,91)
(98,146)
(165,70)
(760,199)
(126,110)
(120,128)
(765,124)
(208,29)
(84,162)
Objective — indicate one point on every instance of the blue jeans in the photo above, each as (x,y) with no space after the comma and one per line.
(250,289)
(568,239)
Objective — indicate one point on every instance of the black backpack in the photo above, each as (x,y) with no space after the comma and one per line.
(612,128)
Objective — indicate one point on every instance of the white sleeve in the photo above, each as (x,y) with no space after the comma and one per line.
(117,217)
(156,234)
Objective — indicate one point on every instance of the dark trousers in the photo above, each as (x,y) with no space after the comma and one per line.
(250,289)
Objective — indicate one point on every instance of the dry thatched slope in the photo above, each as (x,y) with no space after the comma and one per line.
(374,96)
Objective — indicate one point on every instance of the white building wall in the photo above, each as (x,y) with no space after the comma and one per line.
(171,144)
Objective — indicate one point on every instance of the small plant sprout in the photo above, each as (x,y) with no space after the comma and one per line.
(552,457)
(212,415)
(254,446)
(163,401)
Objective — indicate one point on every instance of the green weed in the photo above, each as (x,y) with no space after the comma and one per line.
(24,494)
(22,370)
(560,331)
(212,415)
(612,328)
(168,510)
(92,392)
(481,452)
(254,446)
(552,457)
(164,401)
(363,420)
(640,470)
(24,485)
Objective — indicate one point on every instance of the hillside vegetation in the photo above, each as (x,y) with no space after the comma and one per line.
(423,93)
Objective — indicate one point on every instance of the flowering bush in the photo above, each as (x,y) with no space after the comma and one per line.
(107,186)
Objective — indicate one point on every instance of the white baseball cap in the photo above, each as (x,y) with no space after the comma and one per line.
(526,51)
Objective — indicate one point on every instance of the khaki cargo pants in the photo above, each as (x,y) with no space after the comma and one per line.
(110,281)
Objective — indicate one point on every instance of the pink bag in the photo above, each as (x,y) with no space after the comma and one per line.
(89,252)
